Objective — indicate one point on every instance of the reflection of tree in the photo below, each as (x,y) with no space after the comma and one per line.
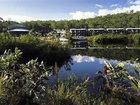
(67,64)
(56,67)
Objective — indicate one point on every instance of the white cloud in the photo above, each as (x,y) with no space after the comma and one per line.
(80,59)
(82,15)
(114,5)
(103,12)
(18,18)
(134,2)
(134,5)
(98,5)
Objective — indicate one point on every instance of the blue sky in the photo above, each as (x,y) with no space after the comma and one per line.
(21,10)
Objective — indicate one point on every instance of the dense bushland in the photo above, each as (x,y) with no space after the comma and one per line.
(35,47)
(21,84)
(121,20)
(114,39)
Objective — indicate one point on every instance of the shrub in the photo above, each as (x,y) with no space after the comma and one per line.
(114,39)
(21,83)
(35,47)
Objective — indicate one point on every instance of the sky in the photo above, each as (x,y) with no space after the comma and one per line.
(26,10)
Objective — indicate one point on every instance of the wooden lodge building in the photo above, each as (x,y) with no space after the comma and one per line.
(79,35)
(116,30)
(94,31)
(79,32)
(132,30)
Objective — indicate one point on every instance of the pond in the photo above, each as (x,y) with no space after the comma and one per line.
(88,62)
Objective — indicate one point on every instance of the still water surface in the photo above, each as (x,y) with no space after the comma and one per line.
(88,62)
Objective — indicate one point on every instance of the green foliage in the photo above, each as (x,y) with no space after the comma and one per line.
(21,83)
(41,27)
(69,92)
(114,39)
(35,47)
(135,81)
(119,73)
(116,21)
(4,25)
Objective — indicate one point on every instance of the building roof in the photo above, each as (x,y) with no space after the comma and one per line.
(115,28)
(18,30)
(78,29)
(96,29)
(15,26)
(132,28)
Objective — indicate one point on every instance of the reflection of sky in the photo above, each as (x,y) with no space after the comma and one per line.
(79,58)
(88,59)
(83,65)
(87,66)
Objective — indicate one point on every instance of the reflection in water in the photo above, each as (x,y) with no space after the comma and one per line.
(116,54)
(82,65)
(88,62)
(54,70)
(80,59)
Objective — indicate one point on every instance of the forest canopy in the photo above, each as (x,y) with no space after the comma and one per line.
(121,20)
